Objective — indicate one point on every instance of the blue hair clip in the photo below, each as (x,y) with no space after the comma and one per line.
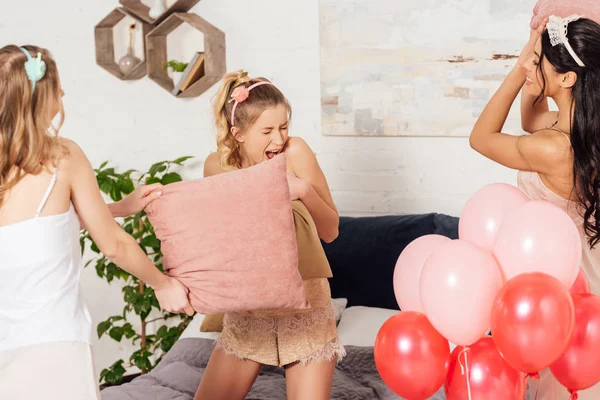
(34,67)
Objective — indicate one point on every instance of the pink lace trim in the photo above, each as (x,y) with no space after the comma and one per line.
(333,350)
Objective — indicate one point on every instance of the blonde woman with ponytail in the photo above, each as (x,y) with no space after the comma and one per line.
(47,187)
(253,119)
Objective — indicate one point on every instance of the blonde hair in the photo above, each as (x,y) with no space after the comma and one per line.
(26,143)
(246,113)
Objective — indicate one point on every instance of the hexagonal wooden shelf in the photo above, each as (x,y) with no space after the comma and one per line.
(141,10)
(214,53)
(105,45)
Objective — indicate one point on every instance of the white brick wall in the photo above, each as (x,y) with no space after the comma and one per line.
(136,123)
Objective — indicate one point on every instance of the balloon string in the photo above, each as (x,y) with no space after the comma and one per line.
(465,368)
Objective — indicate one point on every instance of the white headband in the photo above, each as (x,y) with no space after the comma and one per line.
(557,29)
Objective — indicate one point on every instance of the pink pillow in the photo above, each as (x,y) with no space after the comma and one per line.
(589,9)
(230,239)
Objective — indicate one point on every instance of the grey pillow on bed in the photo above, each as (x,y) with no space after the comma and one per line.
(178,375)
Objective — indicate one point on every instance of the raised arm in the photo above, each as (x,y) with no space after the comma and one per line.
(315,193)
(116,244)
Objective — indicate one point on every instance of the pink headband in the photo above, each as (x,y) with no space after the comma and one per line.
(240,94)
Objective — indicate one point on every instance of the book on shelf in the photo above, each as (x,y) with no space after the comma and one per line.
(193,72)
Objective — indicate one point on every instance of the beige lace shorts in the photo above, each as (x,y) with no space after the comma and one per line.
(283,337)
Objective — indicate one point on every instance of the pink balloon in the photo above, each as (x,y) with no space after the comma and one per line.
(484,212)
(407,273)
(539,237)
(458,285)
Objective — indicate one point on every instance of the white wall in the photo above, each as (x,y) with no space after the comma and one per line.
(137,123)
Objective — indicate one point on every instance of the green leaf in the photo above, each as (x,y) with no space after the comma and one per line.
(128,228)
(175,65)
(126,186)
(144,314)
(180,160)
(106,186)
(115,194)
(114,374)
(155,303)
(129,331)
(103,165)
(130,294)
(162,331)
(121,274)
(141,359)
(151,241)
(103,374)
(95,248)
(111,271)
(142,307)
(136,219)
(171,177)
(118,367)
(116,333)
(152,180)
(128,172)
(148,226)
(103,327)
(166,344)
(100,267)
(154,169)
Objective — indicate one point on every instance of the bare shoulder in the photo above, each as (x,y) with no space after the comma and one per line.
(296,145)
(212,166)
(72,156)
(298,151)
(553,145)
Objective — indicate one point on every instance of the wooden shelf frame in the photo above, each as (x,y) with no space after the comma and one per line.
(141,10)
(105,45)
(214,53)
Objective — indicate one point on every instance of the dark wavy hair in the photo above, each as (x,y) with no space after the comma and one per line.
(584,38)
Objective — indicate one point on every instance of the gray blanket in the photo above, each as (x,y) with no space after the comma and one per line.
(178,375)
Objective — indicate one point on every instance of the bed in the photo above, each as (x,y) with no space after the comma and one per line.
(362,259)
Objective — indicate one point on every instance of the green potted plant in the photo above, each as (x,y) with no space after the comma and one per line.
(140,301)
(177,69)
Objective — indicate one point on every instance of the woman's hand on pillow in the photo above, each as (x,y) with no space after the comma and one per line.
(298,187)
(136,201)
(173,297)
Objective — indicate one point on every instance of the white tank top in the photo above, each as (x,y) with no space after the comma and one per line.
(40,266)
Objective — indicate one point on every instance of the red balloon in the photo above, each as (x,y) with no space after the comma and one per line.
(411,356)
(532,321)
(490,376)
(581,285)
(578,368)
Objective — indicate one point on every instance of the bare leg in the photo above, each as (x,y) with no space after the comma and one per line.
(227,377)
(311,381)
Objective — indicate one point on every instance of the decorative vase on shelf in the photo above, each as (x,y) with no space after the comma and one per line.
(157,9)
(129,61)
